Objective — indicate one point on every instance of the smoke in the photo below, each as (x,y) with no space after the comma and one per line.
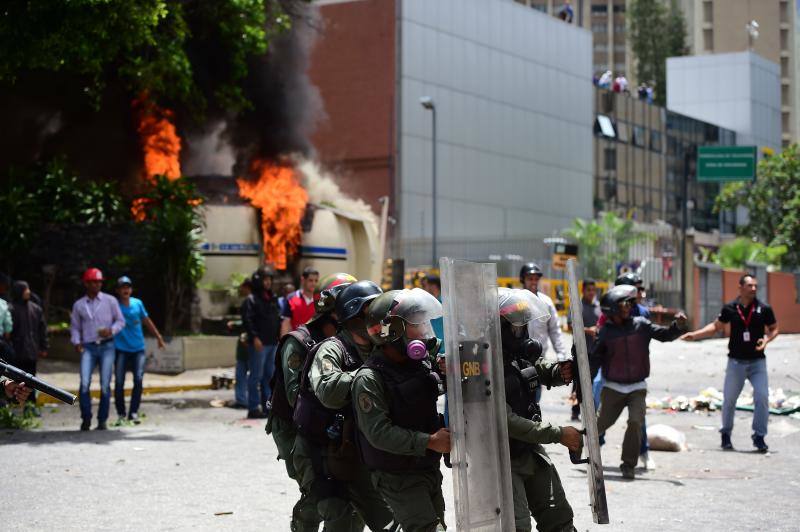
(323,190)
(286,105)
(208,152)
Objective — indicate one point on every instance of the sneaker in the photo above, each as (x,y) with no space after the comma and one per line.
(627,472)
(120,421)
(101,425)
(86,424)
(760,444)
(646,462)
(726,442)
(134,418)
(256,414)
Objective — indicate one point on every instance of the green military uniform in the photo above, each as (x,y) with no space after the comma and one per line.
(414,496)
(305,516)
(535,481)
(331,383)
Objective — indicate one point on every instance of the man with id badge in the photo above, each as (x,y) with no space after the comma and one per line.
(752,326)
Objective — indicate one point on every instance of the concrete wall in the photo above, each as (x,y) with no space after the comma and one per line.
(513,94)
(738,91)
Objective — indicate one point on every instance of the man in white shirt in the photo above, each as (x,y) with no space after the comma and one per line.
(529,276)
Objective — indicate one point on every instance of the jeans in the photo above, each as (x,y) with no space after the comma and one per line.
(135,363)
(261,364)
(736,373)
(240,388)
(101,355)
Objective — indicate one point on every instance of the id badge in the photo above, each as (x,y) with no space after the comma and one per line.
(746,336)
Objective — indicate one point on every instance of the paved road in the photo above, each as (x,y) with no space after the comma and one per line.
(189,461)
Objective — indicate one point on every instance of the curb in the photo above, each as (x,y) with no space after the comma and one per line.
(43,399)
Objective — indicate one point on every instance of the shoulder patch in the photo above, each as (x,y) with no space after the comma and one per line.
(365,402)
(294,361)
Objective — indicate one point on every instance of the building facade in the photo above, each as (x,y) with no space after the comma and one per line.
(641,157)
(512,93)
(719,27)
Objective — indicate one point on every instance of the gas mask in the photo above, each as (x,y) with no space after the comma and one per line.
(517,343)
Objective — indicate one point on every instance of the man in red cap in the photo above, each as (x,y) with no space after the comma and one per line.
(96,318)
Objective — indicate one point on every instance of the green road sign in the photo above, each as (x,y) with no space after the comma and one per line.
(726,163)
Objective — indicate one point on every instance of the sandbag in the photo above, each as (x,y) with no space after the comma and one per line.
(665,438)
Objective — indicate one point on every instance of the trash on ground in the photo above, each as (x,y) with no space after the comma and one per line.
(666,438)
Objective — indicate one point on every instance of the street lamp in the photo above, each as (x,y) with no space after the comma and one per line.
(427,103)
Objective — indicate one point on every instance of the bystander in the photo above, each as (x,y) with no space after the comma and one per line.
(29,336)
(129,345)
(96,319)
(752,326)
(299,307)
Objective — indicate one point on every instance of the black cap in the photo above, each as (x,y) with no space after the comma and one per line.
(528,269)
(352,299)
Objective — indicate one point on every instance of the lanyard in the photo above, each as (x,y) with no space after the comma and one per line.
(749,315)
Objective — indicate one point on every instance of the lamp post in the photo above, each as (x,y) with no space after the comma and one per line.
(427,103)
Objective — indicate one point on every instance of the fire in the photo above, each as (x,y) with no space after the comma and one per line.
(160,141)
(282,202)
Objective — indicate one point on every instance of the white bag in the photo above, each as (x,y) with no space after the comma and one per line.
(665,438)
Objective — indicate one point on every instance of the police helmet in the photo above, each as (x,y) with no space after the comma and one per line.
(628,278)
(391,313)
(350,301)
(328,290)
(611,300)
(528,269)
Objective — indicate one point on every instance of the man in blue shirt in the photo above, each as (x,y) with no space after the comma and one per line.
(129,344)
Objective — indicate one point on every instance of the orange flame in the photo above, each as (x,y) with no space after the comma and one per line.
(282,202)
(160,141)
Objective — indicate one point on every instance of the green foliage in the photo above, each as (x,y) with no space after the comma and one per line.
(603,243)
(173,226)
(740,252)
(9,419)
(773,204)
(50,193)
(655,33)
(175,50)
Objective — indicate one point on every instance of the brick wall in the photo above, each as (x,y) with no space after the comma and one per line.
(353,65)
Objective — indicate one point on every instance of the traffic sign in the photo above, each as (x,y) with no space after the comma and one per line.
(726,163)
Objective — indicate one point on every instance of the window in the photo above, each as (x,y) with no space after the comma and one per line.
(784,39)
(785,95)
(599,28)
(655,141)
(708,12)
(610,159)
(601,47)
(639,136)
(784,67)
(619,8)
(604,127)
(600,9)
(619,28)
(622,132)
(708,40)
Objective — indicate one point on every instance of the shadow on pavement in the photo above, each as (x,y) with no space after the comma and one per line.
(99,437)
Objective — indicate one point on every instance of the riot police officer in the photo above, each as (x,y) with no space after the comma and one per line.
(400,434)
(535,481)
(325,456)
(291,356)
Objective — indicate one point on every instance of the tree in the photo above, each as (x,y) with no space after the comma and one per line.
(189,52)
(741,252)
(772,202)
(603,244)
(173,225)
(655,33)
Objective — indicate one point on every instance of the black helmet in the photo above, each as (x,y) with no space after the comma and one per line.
(329,289)
(352,299)
(262,272)
(527,269)
(628,278)
(612,299)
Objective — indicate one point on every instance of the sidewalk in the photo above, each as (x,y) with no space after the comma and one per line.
(66,375)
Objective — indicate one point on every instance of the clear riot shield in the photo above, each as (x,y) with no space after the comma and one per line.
(594,462)
(476,397)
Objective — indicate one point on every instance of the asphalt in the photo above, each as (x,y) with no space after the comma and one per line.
(193,465)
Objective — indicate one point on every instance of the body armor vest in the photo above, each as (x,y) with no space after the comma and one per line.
(522,401)
(412,390)
(311,417)
(280,403)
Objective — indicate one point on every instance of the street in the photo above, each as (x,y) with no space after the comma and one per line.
(191,466)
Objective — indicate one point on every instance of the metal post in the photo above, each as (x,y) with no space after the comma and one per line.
(435,258)
(687,158)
